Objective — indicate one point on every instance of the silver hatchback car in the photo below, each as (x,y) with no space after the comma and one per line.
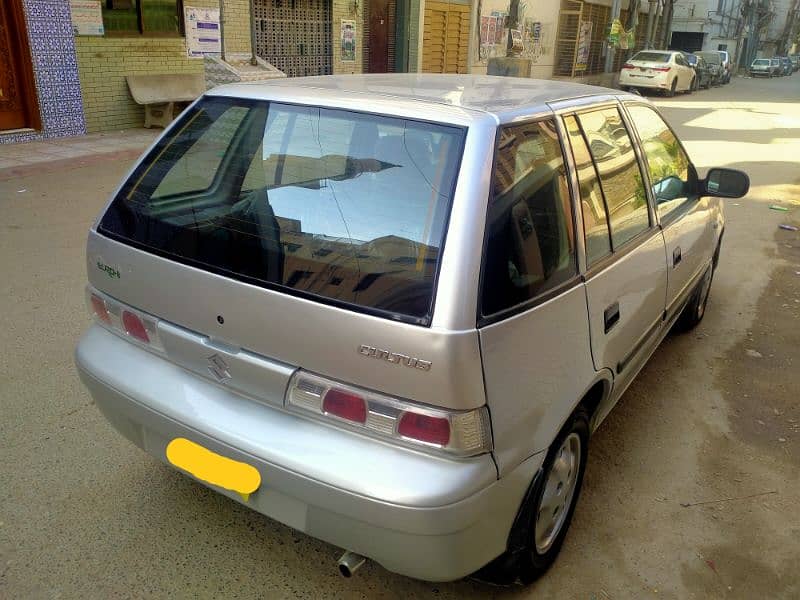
(388,311)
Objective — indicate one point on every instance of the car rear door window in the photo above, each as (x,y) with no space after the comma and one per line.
(612,149)
(593,205)
(667,163)
(530,247)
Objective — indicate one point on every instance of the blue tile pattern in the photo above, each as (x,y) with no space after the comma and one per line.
(55,68)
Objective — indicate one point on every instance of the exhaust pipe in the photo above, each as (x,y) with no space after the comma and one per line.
(350,562)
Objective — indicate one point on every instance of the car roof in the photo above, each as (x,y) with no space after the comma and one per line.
(502,97)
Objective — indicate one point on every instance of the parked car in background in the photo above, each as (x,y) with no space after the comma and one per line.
(701,70)
(786,65)
(761,67)
(714,65)
(664,70)
(795,61)
(396,329)
(727,67)
(775,67)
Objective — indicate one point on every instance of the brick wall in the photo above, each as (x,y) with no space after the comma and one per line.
(236,16)
(103,63)
(342,10)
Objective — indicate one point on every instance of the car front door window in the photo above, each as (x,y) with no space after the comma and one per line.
(667,163)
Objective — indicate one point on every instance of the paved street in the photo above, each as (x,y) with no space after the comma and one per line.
(693,484)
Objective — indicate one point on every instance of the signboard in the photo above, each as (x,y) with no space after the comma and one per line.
(87,18)
(348,41)
(202,31)
(584,40)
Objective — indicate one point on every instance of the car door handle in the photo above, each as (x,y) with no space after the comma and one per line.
(611,316)
(676,257)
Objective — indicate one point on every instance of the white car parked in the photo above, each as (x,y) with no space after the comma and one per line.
(664,70)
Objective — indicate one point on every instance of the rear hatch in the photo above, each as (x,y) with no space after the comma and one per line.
(648,65)
(268,237)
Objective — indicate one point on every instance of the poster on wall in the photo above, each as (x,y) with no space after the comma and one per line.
(348,41)
(87,18)
(202,31)
(584,41)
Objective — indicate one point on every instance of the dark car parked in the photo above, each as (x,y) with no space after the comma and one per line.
(776,68)
(786,65)
(703,73)
(714,62)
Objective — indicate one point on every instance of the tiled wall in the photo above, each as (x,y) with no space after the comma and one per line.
(55,71)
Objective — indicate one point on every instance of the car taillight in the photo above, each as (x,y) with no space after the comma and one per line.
(431,430)
(133,326)
(661,69)
(628,66)
(350,407)
(124,320)
(99,309)
(438,430)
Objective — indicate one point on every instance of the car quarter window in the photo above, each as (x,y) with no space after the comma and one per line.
(620,178)
(667,163)
(530,246)
(593,205)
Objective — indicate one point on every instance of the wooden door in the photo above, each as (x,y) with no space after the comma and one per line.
(378,36)
(17,91)
(445,38)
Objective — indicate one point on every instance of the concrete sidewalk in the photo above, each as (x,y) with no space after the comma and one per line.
(30,158)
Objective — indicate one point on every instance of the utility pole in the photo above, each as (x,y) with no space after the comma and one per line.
(651,13)
(616,7)
(667,37)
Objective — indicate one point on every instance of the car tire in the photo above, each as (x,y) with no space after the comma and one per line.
(671,91)
(529,556)
(695,310)
(692,86)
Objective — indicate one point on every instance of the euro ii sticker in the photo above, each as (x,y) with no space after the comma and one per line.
(108,270)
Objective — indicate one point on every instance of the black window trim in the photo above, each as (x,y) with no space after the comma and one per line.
(142,167)
(141,32)
(680,211)
(617,252)
(534,301)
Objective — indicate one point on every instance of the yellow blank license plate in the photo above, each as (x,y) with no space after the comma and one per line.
(212,468)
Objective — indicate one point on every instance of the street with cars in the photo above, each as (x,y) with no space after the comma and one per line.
(673,71)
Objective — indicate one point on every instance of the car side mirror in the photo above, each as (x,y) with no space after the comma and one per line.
(725,183)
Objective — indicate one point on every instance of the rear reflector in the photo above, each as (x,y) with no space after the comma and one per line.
(134,326)
(345,406)
(431,430)
(435,430)
(628,66)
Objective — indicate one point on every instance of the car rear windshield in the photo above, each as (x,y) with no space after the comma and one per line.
(343,207)
(761,61)
(652,57)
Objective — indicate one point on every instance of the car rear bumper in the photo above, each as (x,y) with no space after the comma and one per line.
(425,517)
(634,78)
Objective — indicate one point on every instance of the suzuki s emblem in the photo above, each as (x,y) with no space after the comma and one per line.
(218,368)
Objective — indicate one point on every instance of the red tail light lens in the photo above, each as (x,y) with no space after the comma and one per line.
(134,327)
(100,310)
(345,406)
(432,430)
(661,69)
(628,66)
